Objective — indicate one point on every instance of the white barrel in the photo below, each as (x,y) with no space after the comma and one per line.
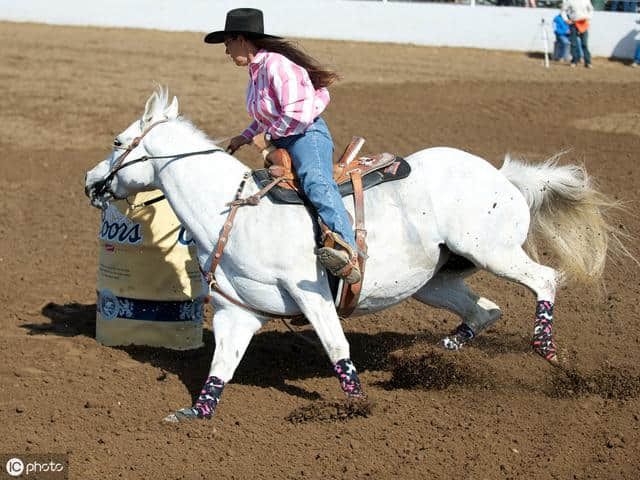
(149,286)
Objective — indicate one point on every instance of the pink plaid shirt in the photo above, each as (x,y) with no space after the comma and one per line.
(280,97)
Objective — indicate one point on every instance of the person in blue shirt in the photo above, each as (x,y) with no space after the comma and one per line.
(561,46)
(636,57)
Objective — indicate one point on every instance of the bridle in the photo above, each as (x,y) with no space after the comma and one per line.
(102,187)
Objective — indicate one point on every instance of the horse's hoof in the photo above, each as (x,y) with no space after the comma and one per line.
(458,338)
(549,354)
(451,343)
(546,348)
(360,395)
(184,415)
(171,418)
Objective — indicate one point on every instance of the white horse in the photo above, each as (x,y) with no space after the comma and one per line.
(453,205)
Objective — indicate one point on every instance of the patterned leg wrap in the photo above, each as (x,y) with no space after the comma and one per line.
(209,397)
(348,377)
(542,340)
(205,405)
(461,335)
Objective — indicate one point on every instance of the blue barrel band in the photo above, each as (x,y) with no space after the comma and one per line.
(111,306)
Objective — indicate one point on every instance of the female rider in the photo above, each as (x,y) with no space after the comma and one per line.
(286,94)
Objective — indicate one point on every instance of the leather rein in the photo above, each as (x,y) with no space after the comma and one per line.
(104,186)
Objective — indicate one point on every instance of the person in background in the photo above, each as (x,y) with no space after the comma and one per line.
(578,13)
(636,57)
(561,46)
(626,6)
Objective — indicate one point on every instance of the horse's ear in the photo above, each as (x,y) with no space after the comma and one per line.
(172,110)
(150,108)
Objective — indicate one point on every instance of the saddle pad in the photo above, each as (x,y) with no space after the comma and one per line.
(401,169)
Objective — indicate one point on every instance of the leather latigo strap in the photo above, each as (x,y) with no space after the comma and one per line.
(340,167)
(351,293)
(222,241)
(255,198)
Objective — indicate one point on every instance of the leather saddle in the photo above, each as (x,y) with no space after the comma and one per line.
(374,170)
(347,171)
(278,180)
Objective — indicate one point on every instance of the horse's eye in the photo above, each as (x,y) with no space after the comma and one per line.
(117,143)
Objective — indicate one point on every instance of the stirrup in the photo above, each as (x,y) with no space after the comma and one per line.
(340,263)
(338,256)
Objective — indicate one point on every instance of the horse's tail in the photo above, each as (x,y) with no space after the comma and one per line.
(568,214)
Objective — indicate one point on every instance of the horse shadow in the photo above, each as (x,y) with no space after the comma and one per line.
(273,358)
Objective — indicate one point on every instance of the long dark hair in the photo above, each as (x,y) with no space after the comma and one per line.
(319,75)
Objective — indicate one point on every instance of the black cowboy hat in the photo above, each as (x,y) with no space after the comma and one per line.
(240,21)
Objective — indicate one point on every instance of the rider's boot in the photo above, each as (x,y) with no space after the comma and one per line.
(339,258)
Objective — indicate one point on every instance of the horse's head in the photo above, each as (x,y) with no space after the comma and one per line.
(127,170)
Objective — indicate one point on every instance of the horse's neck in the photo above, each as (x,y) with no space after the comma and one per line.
(198,187)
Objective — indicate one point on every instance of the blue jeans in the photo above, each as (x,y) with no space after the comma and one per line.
(626,6)
(636,57)
(580,39)
(579,47)
(561,47)
(312,158)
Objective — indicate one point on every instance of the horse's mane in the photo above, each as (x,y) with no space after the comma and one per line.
(195,132)
(162,94)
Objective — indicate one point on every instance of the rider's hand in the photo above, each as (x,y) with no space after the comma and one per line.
(236,142)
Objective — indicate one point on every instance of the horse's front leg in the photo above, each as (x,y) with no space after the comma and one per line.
(233,328)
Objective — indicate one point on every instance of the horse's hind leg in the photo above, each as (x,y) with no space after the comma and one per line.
(514,264)
(448,290)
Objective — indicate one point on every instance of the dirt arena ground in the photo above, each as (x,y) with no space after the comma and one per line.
(492,411)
